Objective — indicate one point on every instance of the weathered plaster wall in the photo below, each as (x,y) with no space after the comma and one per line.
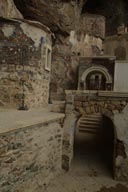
(9,10)
(23,58)
(121,76)
(30,157)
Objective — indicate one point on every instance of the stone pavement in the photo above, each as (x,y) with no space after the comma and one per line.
(12,119)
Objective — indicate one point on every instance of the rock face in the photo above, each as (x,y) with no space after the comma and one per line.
(115,12)
(58,15)
(9,10)
(63,15)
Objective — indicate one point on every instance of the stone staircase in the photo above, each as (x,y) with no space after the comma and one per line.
(90,123)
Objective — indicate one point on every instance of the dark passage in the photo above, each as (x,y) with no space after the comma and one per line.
(108,141)
(94,145)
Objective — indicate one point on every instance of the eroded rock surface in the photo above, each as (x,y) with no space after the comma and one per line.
(9,10)
(58,15)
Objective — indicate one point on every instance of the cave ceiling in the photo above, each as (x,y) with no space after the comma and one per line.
(63,15)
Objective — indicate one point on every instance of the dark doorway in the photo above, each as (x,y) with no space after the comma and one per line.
(93,150)
(96,81)
(108,142)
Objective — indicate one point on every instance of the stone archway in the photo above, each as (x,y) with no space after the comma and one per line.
(96,134)
(101,74)
(95,81)
(70,124)
(82,103)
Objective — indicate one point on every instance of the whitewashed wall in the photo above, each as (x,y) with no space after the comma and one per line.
(121,76)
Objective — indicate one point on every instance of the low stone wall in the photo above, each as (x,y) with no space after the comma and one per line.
(30,157)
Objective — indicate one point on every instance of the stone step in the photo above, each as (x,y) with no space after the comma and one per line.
(89,131)
(90,126)
(90,123)
(93,114)
(91,117)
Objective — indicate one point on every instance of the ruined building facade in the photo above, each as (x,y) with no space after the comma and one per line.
(61,54)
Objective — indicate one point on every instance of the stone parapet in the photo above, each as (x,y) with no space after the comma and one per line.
(30,153)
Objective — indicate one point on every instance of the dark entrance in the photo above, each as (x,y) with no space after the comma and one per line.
(94,145)
(96,81)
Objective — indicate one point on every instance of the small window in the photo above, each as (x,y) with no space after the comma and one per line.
(48,58)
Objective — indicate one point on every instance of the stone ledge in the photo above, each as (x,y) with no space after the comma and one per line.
(112,94)
(12,120)
(98,93)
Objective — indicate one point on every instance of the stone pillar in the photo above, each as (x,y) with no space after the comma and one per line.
(69,129)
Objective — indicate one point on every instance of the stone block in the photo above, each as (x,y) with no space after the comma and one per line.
(80,98)
(85,104)
(77,103)
(88,110)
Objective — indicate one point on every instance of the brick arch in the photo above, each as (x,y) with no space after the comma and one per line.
(107,109)
(97,109)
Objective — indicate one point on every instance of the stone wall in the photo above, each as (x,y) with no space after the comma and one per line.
(110,104)
(30,157)
(23,59)
(117,45)
(93,24)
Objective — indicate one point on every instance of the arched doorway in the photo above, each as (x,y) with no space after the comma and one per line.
(96,81)
(95,78)
(94,144)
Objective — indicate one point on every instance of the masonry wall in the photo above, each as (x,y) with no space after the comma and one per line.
(117,45)
(22,64)
(30,157)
